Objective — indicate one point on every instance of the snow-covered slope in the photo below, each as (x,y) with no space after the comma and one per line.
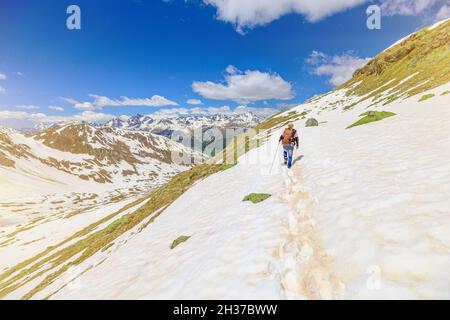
(68,177)
(364,212)
(100,154)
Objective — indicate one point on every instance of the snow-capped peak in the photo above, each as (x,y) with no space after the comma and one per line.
(187,122)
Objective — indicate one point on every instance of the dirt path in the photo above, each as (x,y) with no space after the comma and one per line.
(306,269)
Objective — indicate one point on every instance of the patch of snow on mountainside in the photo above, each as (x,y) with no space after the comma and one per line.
(437,24)
(400,41)
(434,26)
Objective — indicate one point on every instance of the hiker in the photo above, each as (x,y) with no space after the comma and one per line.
(289,139)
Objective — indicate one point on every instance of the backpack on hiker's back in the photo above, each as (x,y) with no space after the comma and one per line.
(288,136)
(289,139)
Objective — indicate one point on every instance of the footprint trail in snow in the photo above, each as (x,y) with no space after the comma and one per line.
(306,270)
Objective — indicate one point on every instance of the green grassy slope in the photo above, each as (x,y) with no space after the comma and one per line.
(424,57)
(372,116)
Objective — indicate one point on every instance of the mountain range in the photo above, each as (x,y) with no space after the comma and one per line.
(167,125)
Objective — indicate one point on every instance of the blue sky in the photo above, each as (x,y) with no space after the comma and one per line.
(160,54)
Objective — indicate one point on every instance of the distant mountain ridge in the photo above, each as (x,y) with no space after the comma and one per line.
(165,126)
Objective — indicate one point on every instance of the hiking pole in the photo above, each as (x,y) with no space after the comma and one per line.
(275,156)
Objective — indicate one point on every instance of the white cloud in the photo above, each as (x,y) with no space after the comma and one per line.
(406,7)
(250,13)
(69,100)
(266,112)
(88,116)
(2,77)
(20,74)
(194,102)
(20,115)
(172,112)
(247,14)
(87,106)
(443,13)
(211,110)
(91,116)
(23,115)
(27,107)
(99,102)
(56,108)
(244,87)
(232,69)
(176,112)
(29,118)
(338,68)
(316,57)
